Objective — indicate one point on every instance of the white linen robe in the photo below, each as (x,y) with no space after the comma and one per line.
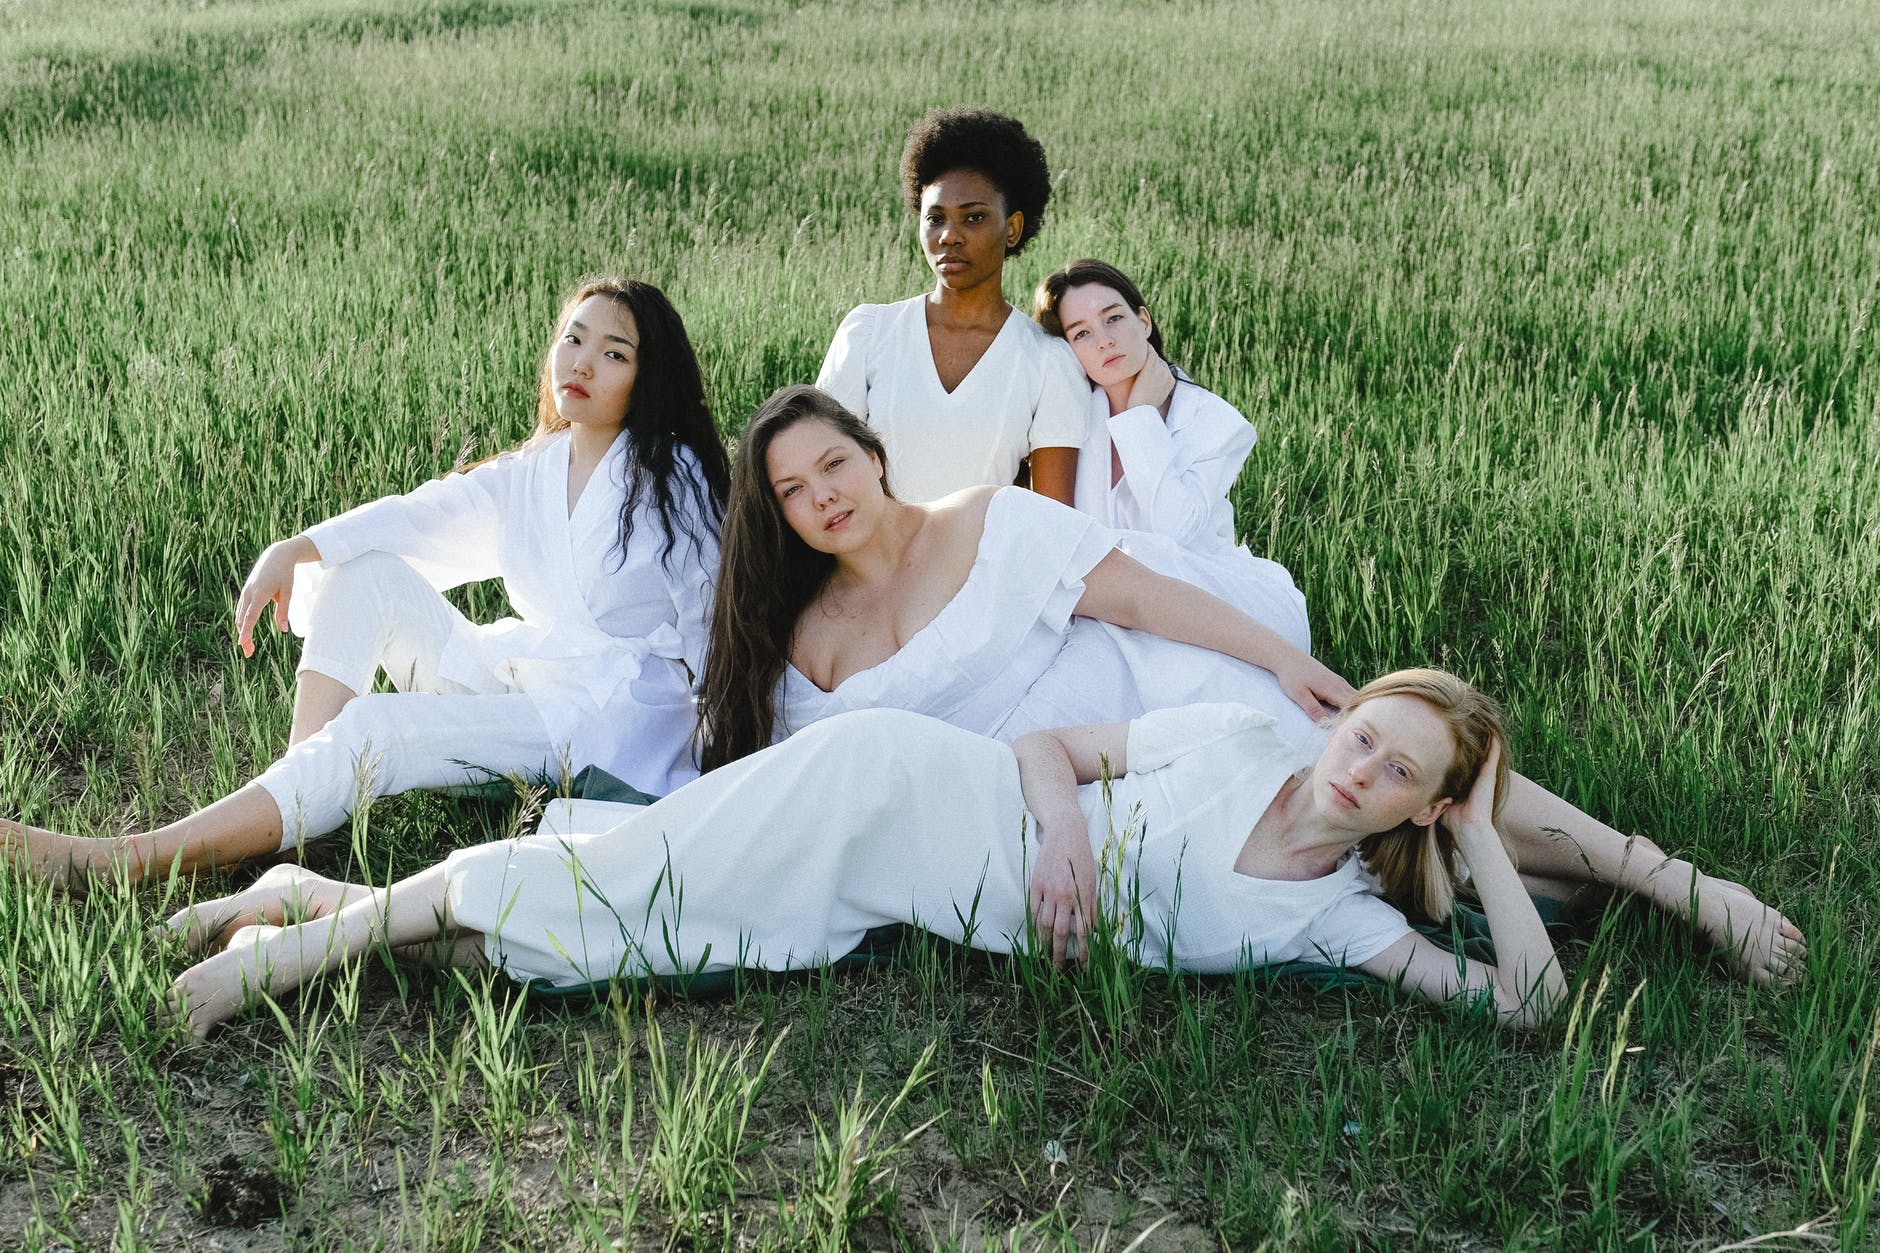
(602,639)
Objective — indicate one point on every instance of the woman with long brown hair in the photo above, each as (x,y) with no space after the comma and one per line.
(602,526)
(1004,613)
(991,608)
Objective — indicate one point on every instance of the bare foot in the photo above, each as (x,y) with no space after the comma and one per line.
(216,989)
(283,895)
(1755,941)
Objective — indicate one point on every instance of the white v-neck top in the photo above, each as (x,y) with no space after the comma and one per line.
(1026,392)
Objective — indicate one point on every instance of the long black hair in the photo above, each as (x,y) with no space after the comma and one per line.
(767,577)
(666,410)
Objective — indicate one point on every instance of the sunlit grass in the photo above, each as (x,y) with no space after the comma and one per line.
(1556,324)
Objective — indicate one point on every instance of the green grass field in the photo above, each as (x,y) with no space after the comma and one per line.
(1555,322)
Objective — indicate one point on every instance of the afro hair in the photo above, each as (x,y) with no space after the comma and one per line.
(988,143)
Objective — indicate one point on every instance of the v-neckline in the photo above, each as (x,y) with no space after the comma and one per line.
(933,366)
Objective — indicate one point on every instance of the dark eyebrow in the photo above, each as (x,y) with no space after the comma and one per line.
(618,339)
(1114,304)
(820,457)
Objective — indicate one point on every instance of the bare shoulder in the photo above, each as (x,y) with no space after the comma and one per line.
(964,508)
(956,522)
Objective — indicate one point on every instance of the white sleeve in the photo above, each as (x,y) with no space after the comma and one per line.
(844,372)
(691,574)
(1160,737)
(450,529)
(1355,928)
(1181,475)
(1063,407)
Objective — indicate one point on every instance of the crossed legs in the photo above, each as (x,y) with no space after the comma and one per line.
(294,925)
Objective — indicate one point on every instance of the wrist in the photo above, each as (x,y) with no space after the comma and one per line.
(299,548)
(1480,841)
(1063,830)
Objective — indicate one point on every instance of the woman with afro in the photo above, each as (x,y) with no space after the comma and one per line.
(963,388)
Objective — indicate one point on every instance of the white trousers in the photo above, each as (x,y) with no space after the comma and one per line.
(372,613)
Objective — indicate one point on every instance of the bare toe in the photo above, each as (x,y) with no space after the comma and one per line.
(1756,942)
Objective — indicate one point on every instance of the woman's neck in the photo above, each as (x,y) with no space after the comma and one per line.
(1118,394)
(882,556)
(588,442)
(1303,834)
(587,445)
(980,305)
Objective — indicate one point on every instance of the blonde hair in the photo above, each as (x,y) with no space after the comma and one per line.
(1416,865)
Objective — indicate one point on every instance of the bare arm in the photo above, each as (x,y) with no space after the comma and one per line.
(1525,980)
(1123,591)
(1054,474)
(1063,892)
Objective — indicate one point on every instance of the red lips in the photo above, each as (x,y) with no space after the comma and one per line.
(575,389)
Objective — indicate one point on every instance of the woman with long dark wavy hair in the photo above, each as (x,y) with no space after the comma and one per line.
(834,594)
(1004,613)
(602,526)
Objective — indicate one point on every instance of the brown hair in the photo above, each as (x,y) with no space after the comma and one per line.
(1086,272)
(1417,865)
(767,577)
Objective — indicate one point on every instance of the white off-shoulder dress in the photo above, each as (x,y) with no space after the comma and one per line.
(1025,393)
(1006,656)
(787,858)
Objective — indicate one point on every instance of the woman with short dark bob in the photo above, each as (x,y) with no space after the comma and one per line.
(1004,613)
(964,389)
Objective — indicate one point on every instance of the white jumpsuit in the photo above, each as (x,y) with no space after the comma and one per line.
(591,671)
